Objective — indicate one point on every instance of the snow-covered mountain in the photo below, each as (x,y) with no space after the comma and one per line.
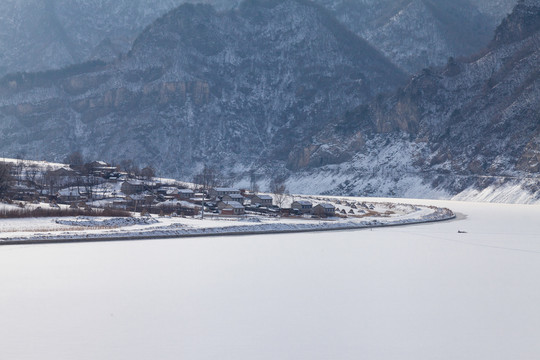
(281,87)
(200,86)
(417,34)
(469,127)
(37,35)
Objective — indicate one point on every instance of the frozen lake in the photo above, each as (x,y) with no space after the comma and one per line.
(414,292)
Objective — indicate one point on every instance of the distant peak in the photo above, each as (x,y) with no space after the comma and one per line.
(520,24)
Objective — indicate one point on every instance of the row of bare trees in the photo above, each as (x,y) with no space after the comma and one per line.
(77,162)
(5,178)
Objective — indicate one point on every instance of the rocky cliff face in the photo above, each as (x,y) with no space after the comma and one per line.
(230,89)
(468,125)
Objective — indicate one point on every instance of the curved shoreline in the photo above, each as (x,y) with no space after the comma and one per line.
(207,232)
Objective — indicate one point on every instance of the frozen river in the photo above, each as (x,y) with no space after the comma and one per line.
(414,292)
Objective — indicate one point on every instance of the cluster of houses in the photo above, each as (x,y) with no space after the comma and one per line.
(103,185)
(230,201)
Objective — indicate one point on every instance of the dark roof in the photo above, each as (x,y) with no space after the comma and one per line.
(264,197)
(327,206)
(234,204)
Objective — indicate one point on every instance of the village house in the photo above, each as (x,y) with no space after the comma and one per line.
(71,194)
(185,194)
(178,206)
(139,201)
(230,208)
(61,176)
(234,197)
(220,192)
(263,200)
(303,206)
(22,192)
(101,168)
(324,209)
(118,203)
(62,173)
(132,187)
(168,192)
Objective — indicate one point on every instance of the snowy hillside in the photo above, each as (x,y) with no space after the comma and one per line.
(467,128)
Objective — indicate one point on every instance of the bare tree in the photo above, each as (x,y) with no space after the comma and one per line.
(52,181)
(90,181)
(31,173)
(5,178)
(279,190)
(129,166)
(19,165)
(207,178)
(75,160)
(148,172)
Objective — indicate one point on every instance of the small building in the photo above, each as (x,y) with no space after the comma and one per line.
(101,168)
(119,203)
(230,208)
(263,200)
(220,192)
(71,194)
(324,209)
(139,201)
(185,194)
(132,187)
(62,173)
(233,197)
(178,206)
(167,190)
(302,206)
(22,192)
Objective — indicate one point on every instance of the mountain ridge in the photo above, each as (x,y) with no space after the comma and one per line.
(272,74)
(467,126)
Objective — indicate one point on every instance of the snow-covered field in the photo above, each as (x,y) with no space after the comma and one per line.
(415,292)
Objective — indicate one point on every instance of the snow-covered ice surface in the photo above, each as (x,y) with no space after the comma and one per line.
(415,292)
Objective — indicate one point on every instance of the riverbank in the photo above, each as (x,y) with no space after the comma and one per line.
(84,229)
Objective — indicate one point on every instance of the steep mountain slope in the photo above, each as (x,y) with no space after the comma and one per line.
(198,86)
(419,33)
(40,35)
(49,34)
(497,9)
(467,126)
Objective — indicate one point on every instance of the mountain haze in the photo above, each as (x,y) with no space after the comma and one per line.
(37,35)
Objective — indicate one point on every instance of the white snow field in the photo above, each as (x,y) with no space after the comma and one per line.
(412,292)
